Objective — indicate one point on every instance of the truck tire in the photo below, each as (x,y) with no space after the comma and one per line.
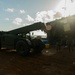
(22,48)
(37,45)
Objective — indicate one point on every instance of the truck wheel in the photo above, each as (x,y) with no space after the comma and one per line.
(22,48)
(38,45)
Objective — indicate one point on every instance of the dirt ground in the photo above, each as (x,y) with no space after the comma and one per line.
(50,62)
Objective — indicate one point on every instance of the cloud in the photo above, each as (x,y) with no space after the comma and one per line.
(24,24)
(44,16)
(22,11)
(57,15)
(7,19)
(10,10)
(29,18)
(17,21)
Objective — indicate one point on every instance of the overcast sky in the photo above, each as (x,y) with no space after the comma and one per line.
(18,13)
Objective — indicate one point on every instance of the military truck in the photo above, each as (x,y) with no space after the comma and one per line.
(19,40)
(60,32)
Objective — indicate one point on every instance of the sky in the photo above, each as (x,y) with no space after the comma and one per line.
(18,13)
